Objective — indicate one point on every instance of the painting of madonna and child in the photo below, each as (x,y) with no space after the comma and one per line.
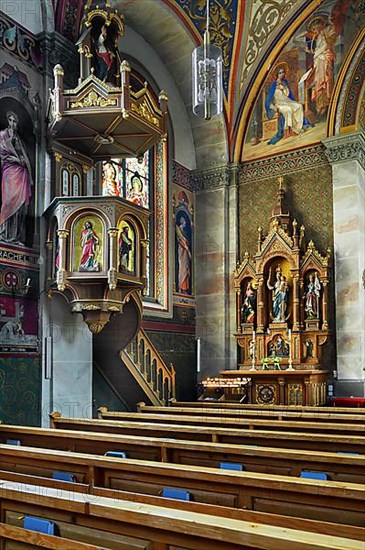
(291,110)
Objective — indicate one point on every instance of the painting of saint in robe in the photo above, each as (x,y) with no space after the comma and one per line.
(183,243)
(88,244)
(293,107)
(16,182)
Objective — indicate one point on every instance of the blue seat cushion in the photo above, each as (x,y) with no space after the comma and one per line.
(232,466)
(63,476)
(118,454)
(179,494)
(313,475)
(39,525)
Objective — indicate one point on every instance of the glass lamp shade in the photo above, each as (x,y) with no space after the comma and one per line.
(207,65)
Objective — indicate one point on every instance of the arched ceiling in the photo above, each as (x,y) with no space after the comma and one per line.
(173,28)
(251,33)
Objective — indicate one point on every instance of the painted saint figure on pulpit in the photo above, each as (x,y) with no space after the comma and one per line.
(125,248)
(89,241)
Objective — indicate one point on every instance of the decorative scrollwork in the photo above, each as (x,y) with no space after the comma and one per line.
(287,163)
(268,14)
(265,393)
(15,40)
(92,99)
(143,110)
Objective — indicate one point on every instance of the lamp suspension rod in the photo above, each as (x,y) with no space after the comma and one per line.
(208,14)
(207,107)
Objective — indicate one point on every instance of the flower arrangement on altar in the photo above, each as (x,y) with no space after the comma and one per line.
(271,361)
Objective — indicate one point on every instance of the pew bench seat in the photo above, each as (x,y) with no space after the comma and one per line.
(152,527)
(329,501)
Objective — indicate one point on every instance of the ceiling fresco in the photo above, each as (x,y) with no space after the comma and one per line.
(253,34)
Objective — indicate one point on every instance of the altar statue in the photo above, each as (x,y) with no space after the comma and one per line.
(312,297)
(280,296)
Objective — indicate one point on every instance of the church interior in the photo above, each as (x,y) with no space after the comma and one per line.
(182,274)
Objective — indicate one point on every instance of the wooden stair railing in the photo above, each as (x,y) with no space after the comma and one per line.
(156,378)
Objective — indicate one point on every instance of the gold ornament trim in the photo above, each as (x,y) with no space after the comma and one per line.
(312,251)
(277,230)
(92,99)
(143,111)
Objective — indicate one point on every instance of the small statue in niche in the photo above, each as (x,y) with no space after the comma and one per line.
(125,247)
(309,348)
(279,348)
(249,304)
(251,349)
(312,297)
(89,241)
(280,296)
(104,53)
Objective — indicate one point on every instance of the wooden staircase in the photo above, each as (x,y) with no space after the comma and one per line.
(154,376)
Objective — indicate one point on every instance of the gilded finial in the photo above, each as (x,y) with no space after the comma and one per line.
(281,181)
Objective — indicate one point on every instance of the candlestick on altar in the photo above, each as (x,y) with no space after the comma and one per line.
(290,367)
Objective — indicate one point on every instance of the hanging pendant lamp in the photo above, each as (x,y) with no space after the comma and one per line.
(207,69)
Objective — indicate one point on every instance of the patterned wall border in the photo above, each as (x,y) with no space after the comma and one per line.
(213,178)
(182,176)
(20,42)
(349,112)
(361,115)
(345,148)
(285,163)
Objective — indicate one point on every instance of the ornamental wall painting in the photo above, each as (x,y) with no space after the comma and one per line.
(183,219)
(127,248)
(18,324)
(291,110)
(17,162)
(88,244)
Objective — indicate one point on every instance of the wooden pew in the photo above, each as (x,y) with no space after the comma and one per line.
(203,419)
(325,501)
(154,448)
(133,525)
(259,459)
(254,406)
(32,539)
(312,526)
(263,414)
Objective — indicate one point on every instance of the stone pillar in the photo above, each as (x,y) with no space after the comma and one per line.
(216,245)
(346,153)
